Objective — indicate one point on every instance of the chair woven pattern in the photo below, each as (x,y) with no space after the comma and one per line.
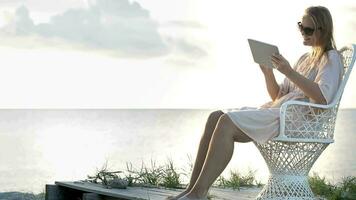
(347,56)
(290,158)
(310,129)
(308,122)
(289,164)
(279,188)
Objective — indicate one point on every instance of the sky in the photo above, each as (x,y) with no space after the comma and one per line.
(150,53)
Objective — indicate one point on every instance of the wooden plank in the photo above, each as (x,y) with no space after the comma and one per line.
(134,193)
(230,194)
(141,193)
(92,196)
(55,192)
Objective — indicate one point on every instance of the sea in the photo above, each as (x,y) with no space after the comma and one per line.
(41,146)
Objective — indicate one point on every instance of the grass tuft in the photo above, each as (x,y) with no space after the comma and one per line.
(323,188)
(170,176)
(155,176)
(238,180)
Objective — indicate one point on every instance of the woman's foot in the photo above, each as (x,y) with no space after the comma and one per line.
(178,196)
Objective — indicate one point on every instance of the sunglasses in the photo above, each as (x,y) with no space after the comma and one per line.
(307,30)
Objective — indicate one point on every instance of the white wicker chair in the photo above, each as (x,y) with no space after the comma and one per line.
(306,129)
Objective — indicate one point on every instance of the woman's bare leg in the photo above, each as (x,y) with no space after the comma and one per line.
(219,154)
(202,151)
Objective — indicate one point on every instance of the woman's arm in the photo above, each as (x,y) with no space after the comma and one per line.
(271,83)
(309,87)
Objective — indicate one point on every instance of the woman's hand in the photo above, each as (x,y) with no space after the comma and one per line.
(281,64)
(266,69)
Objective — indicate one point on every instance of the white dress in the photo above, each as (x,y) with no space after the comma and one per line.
(262,123)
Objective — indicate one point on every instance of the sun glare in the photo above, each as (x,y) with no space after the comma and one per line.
(70,149)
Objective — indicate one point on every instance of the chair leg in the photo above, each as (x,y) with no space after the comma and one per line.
(286,187)
(289,164)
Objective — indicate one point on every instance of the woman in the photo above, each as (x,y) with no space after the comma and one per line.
(315,78)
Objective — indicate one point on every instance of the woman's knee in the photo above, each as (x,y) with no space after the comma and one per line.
(227,126)
(226,123)
(214,116)
(211,123)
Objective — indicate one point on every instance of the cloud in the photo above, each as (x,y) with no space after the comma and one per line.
(44,5)
(187,48)
(10,2)
(186,52)
(116,25)
(184,24)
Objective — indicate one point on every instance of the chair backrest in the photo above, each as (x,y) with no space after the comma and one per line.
(348,55)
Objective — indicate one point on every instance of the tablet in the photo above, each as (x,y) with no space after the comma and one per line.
(262,52)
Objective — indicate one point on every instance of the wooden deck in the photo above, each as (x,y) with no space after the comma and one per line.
(91,191)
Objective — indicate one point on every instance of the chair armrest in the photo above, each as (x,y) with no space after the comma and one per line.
(307,122)
(303,103)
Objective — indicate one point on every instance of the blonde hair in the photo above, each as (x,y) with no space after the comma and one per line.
(323,22)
